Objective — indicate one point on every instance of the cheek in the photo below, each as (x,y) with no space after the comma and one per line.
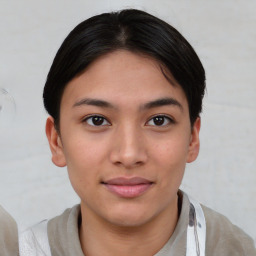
(83,158)
(170,157)
(84,151)
(171,150)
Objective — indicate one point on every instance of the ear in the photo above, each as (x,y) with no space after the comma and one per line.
(194,142)
(58,157)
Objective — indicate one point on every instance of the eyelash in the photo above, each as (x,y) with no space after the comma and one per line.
(99,117)
(105,122)
(166,118)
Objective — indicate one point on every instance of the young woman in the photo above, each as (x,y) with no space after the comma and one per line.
(124,95)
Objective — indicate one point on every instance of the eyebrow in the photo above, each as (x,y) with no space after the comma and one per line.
(93,102)
(161,102)
(149,105)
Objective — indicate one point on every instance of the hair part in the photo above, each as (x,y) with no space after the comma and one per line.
(132,30)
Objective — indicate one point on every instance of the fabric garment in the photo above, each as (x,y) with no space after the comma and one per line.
(8,235)
(34,241)
(222,237)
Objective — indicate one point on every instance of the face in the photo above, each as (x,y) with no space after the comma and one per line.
(125,136)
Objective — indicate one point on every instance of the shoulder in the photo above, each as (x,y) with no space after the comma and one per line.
(225,238)
(8,234)
(34,240)
(59,224)
(8,225)
(63,233)
(48,236)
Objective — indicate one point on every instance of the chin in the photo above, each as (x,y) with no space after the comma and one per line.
(129,217)
(129,222)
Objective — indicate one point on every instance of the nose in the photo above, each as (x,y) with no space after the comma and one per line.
(128,147)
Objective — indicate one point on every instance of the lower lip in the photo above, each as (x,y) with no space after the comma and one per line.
(128,191)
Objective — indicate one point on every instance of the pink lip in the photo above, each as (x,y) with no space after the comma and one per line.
(128,187)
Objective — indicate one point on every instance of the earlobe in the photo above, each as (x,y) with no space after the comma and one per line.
(194,141)
(58,157)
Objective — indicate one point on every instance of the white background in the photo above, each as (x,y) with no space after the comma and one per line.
(224,35)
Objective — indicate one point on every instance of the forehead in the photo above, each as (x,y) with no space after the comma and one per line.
(123,77)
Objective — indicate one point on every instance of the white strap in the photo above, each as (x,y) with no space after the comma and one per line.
(34,241)
(196,232)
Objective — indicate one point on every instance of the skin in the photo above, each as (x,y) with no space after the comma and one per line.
(129,142)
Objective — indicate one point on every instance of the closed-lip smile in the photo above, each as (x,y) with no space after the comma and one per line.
(128,187)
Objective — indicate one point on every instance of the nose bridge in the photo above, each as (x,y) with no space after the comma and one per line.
(129,149)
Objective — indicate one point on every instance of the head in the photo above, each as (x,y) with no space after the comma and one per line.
(124,94)
(135,31)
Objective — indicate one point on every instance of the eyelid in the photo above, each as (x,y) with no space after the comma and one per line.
(86,118)
(169,118)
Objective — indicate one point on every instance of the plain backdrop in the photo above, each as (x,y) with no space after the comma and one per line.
(223,34)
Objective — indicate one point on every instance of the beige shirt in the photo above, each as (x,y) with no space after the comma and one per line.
(8,235)
(222,237)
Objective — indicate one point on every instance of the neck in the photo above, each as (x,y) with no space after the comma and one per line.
(99,237)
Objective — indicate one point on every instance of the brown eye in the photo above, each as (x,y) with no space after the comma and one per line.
(160,121)
(96,121)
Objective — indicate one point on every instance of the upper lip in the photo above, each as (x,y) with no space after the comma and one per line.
(127,181)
